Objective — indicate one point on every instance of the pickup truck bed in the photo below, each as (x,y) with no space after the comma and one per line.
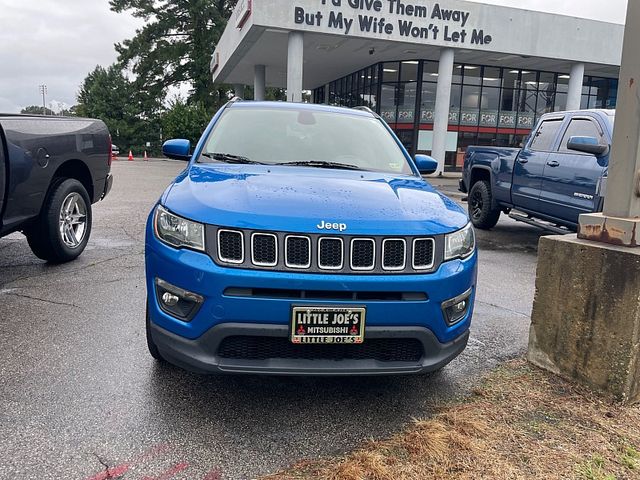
(558,175)
(51,170)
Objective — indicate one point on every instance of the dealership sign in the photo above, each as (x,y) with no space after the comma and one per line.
(243,12)
(432,22)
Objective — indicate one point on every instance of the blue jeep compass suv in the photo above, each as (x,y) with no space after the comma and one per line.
(301,239)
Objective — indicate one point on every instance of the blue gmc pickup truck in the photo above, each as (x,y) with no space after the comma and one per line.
(559,174)
(302,240)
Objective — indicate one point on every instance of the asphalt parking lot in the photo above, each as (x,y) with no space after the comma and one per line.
(82,399)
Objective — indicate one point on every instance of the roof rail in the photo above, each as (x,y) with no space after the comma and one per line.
(236,99)
(365,109)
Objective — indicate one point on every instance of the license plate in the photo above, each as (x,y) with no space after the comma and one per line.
(327,324)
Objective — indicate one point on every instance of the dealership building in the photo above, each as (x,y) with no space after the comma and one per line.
(444,75)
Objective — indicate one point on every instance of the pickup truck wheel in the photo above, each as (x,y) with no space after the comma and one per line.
(151,345)
(483,216)
(63,229)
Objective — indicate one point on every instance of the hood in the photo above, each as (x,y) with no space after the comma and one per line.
(296,199)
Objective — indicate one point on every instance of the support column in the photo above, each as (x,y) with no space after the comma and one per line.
(574,97)
(295,61)
(620,222)
(441,114)
(238,90)
(327,93)
(586,314)
(259,82)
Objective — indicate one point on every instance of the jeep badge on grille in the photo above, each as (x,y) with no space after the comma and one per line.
(332,226)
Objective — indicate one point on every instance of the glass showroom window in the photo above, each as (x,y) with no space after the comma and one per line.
(546,94)
(407,91)
(389,91)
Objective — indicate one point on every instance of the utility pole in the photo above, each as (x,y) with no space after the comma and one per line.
(43,92)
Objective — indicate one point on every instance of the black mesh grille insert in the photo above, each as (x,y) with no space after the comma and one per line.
(264,348)
(362,254)
(265,249)
(423,253)
(230,246)
(298,252)
(330,253)
(393,254)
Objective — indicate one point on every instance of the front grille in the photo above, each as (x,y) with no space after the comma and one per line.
(265,348)
(423,253)
(298,252)
(331,254)
(264,249)
(394,254)
(230,246)
(363,254)
(315,253)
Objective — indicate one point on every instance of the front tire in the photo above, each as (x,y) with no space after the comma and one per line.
(483,215)
(64,227)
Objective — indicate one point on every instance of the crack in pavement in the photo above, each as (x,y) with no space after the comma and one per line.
(102,462)
(72,271)
(500,307)
(44,300)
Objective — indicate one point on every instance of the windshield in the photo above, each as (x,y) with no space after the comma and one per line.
(277,136)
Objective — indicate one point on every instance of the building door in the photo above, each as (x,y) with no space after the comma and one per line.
(407,139)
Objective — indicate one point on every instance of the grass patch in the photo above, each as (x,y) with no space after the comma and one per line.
(520,423)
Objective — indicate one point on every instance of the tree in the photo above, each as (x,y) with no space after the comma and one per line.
(184,120)
(175,46)
(131,118)
(37,110)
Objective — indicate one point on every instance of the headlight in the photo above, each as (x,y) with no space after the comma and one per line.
(460,244)
(177,231)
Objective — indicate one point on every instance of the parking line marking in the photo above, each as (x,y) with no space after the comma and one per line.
(170,473)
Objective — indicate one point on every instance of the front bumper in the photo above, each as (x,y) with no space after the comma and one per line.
(194,345)
(462,187)
(200,355)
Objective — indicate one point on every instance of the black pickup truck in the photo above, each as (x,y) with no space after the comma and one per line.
(52,169)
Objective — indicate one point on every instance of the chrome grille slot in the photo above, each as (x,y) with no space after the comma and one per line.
(363,254)
(330,253)
(264,249)
(297,252)
(394,254)
(230,246)
(423,253)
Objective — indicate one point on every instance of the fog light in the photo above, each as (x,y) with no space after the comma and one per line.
(178,302)
(169,299)
(457,308)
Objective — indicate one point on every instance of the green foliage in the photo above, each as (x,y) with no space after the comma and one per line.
(37,110)
(594,469)
(184,120)
(132,119)
(175,46)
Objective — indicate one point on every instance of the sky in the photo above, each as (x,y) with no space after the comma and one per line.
(58,42)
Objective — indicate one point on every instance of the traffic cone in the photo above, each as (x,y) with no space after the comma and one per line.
(130,156)
(146,158)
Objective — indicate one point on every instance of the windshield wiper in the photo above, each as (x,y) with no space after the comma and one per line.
(229,158)
(322,164)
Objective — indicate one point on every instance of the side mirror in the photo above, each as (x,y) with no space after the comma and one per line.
(426,165)
(587,145)
(177,149)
